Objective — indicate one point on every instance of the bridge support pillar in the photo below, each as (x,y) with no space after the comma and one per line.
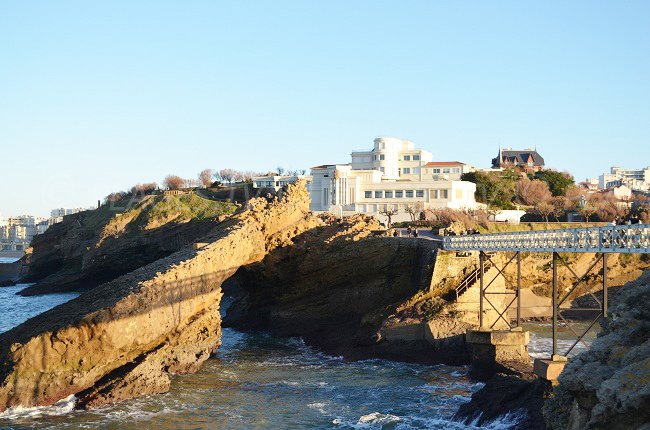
(497,349)
(550,370)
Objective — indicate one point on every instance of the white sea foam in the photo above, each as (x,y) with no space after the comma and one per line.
(62,407)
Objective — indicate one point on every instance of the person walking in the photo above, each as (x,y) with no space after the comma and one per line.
(415,233)
(395,233)
(408,231)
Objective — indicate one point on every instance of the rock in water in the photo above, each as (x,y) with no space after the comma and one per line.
(608,387)
(126,337)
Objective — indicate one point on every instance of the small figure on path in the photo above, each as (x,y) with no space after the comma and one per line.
(408,231)
(395,233)
(415,233)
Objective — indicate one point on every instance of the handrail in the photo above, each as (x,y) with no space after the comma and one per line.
(470,279)
(625,239)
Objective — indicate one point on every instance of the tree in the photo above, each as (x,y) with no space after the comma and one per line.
(545,208)
(280,170)
(302,172)
(533,192)
(227,175)
(146,188)
(558,182)
(389,213)
(590,207)
(174,182)
(205,177)
(414,210)
(559,206)
(496,189)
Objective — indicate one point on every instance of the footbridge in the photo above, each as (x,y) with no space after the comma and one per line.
(623,239)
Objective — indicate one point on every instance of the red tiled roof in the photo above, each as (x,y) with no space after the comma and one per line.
(443,163)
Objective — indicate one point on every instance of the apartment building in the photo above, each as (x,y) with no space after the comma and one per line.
(634,179)
(392,175)
(278,181)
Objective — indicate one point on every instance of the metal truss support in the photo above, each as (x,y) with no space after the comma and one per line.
(600,310)
(502,314)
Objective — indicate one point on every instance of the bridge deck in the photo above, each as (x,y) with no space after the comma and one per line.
(624,239)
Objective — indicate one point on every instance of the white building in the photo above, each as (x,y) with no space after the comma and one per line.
(636,180)
(393,175)
(277,181)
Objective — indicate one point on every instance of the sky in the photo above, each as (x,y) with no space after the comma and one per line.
(98,96)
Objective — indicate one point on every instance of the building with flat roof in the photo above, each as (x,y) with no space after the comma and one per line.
(634,179)
(392,176)
(278,181)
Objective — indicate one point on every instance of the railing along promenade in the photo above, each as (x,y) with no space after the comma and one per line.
(623,239)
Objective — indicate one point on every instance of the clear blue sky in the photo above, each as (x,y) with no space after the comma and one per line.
(97,96)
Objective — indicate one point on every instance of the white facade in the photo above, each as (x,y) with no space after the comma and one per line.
(277,182)
(362,186)
(637,180)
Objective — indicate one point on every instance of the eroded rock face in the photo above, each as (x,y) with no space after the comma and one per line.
(334,285)
(608,387)
(126,337)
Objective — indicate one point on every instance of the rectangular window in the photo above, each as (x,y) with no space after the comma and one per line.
(409,194)
(419,193)
(433,194)
(407,158)
(379,194)
(406,170)
(368,194)
(456,170)
(445,194)
(399,194)
(436,170)
(416,158)
(416,170)
(446,170)
(381,157)
(388,194)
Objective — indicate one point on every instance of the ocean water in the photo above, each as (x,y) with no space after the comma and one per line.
(8,260)
(257,381)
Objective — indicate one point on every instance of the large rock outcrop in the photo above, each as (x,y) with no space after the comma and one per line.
(124,338)
(92,247)
(334,285)
(608,386)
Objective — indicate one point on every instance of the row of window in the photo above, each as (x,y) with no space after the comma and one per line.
(406,157)
(409,194)
(447,170)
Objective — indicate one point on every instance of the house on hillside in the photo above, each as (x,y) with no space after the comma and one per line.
(527,160)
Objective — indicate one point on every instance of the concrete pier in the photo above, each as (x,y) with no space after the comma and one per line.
(550,370)
(490,349)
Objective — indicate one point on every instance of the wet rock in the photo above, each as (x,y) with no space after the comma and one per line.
(608,386)
(521,397)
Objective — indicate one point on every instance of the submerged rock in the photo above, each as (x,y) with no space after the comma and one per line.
(608,386)
(126,337)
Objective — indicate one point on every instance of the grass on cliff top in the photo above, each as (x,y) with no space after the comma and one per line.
(181,208)
(156,210)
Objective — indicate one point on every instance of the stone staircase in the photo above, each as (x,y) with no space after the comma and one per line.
(467,303)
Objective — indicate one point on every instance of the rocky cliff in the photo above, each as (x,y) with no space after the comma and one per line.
(608,387)
(334,285)
(126,337)
(94,247)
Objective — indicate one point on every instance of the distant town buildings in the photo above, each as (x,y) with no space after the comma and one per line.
(635,179)
(527,160)
(278,181)
(16,233)
(392,176)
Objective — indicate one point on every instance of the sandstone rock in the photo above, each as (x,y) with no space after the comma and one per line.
(608,386)
(124,338)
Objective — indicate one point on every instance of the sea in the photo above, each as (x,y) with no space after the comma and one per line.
(258,381)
